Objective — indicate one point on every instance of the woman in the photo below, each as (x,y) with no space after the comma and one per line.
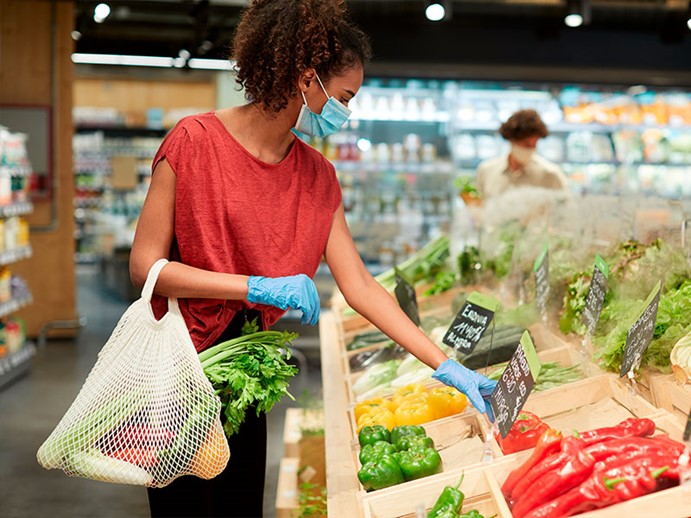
(245,211)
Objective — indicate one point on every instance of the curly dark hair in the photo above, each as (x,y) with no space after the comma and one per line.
(523,124)
(277,40)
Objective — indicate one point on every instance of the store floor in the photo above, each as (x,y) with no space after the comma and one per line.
(32,406)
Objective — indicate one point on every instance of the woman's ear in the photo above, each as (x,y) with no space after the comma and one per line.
(306,78)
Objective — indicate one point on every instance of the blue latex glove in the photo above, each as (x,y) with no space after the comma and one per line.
(293,292)
(475,386)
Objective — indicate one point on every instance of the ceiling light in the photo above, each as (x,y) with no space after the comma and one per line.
(577,13)
(76,35)
(573,20)
(101,12)
(437,10)
(150,61)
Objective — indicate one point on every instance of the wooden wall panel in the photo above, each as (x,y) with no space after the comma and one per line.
(134,97)
(36,69)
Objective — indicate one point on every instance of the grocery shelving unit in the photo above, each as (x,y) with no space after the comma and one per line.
(15,166)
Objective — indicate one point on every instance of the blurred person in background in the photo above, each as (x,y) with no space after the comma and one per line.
(522,166)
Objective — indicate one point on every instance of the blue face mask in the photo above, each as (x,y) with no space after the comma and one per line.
(333,116)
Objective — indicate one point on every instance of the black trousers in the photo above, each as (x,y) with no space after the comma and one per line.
(238,491)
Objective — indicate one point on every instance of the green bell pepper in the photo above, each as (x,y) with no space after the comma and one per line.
(376,450)
(446,512)
(419,462)
(472,514)
(411,441)
(401,431)
(450,498)
(380,473)
(372,434)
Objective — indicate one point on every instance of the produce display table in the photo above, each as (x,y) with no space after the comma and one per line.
(601,399)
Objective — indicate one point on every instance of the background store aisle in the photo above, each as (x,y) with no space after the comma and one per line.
(31,407)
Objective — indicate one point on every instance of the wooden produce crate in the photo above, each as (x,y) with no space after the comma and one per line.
(668,394)
(594,402)
(459,439)
(405,500)
(296,420)
(481,487)
(287,494)
(566,356)
(670,503)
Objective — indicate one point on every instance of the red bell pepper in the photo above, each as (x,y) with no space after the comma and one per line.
(142,457)
(577,468)
(548,443)
(523,435)
(632,427)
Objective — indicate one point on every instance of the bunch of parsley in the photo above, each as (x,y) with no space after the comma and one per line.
(249,372)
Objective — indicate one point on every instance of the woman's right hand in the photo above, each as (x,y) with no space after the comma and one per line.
(474,385)
(292,292)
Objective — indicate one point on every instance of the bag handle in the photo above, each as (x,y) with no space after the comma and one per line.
(148,289)
(151,278)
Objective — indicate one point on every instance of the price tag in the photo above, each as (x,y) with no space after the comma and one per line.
(515,384)
(687,431)
(405,295)
(641,333)
(596,295)
(471,322)
(541,270)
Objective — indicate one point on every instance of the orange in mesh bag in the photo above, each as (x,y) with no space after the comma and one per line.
(146,413)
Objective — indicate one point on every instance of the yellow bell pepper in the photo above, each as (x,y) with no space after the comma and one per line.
(378,415)
(413,412)
(413,392)
(446,401)
(366,406)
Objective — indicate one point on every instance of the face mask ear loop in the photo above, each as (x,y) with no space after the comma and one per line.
(320,84)
(304,99)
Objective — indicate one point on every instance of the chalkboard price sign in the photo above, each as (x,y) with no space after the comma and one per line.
(471,322)
(405,295)
(515,384)
(596,295)
(641,333)
(541,270)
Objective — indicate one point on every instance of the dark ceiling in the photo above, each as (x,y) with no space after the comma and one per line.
(649,35)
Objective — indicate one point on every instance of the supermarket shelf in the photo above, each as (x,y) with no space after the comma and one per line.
(15,170)
(16,364)
(434,118)
(16,209)
(15,304)
(122,131)
(474,162)
(15,254)
(400,167)
(571,127)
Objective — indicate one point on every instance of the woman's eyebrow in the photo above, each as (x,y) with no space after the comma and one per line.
(349,92)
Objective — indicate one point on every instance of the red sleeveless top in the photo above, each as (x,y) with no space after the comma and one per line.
(237,214)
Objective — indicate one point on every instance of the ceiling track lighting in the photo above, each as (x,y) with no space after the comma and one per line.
(438,10)
(101,12)
(578,13)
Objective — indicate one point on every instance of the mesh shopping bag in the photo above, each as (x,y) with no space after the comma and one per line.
(146,413)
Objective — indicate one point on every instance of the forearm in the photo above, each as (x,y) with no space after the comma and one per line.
(182,281)
(379,307)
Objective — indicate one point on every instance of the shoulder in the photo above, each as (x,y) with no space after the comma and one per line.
(312,156)
(546,165)
(193,126)
(492,164)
